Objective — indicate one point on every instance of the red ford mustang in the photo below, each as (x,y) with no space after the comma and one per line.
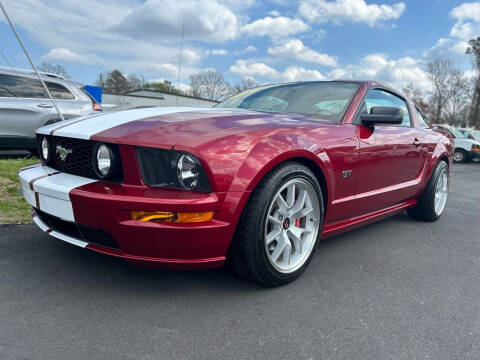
(258,180)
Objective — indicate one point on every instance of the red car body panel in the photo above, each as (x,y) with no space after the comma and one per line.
(389,167)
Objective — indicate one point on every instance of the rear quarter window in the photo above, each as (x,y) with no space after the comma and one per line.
(421,120)
(59,91)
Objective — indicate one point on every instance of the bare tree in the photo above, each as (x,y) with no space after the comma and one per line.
(196,85)
(419,98)
(245,84)
(440,73)
(457,106)
(474,115)
(209,84)
(53,69)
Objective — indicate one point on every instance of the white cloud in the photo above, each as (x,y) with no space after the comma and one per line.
(238,5)
(295,49)
(247,50)
(447,48)
(275,27)
(399,72)
(252,68)
(337,11)
(297,73)
(248,69)
(87,28)
(221,52)
(274,13)
(205,20)
(466,27)
(168,69)
(467,11)
(65,55)
(468,21)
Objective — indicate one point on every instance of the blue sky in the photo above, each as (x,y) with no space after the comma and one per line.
(268,40)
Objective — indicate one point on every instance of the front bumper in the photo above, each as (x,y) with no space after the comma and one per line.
(80,203)
(474,155)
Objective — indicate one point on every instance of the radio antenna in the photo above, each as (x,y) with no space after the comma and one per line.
(30,60)
(6,60)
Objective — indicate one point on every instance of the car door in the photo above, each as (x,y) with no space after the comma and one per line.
(391,156)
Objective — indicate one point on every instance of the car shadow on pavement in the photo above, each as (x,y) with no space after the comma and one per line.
(97,271)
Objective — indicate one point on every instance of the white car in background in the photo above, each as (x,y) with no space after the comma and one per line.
(465,149)
(25,106)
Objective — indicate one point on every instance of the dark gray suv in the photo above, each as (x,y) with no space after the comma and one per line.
(25,106)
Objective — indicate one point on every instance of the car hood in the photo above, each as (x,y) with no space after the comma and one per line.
(167,127)
(466,142)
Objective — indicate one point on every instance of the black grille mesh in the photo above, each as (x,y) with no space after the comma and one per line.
(79,160)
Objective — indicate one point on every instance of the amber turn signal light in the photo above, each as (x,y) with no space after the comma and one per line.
(172,217)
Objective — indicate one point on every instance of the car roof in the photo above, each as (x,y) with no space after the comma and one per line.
(33,75)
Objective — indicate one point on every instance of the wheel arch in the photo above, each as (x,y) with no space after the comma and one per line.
(304,157)
(308,159)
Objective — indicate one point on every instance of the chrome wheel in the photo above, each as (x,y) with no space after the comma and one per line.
(441,192)
(291,225)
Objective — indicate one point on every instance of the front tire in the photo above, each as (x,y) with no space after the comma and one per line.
(279,227)
(460,156)
(433,199)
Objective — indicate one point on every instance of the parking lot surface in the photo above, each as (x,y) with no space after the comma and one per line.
(397,289)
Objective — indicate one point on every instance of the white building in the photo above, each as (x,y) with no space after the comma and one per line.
(144,97)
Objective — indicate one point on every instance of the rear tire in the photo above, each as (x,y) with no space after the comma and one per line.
(276,238)
(460,156)
(432,201)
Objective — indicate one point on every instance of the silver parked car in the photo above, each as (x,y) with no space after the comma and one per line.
(25,106)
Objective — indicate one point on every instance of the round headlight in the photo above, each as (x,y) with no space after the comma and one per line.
(188,171)
(104,160)
(45,149)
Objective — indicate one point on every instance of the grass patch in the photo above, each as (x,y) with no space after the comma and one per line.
(13,208)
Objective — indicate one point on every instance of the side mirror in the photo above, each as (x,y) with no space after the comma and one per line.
(382,115)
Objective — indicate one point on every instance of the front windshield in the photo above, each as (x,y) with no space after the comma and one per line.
(458,134)
(322,99)
(476,134)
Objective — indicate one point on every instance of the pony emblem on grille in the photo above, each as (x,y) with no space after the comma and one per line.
(62,152)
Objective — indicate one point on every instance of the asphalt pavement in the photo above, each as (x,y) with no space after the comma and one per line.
(396,289)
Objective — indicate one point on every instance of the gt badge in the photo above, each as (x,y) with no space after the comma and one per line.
(346,173)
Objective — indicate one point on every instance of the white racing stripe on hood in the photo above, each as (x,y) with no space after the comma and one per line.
(47,128)
(90,126)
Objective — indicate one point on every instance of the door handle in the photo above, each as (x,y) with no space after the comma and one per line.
(417,142)
(45,106)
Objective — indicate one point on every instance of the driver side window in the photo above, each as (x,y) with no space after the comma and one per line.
(379,97)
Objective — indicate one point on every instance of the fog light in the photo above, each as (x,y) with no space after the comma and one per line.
(169,217)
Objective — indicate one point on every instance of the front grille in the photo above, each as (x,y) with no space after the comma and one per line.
(79,160)
(77,231)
